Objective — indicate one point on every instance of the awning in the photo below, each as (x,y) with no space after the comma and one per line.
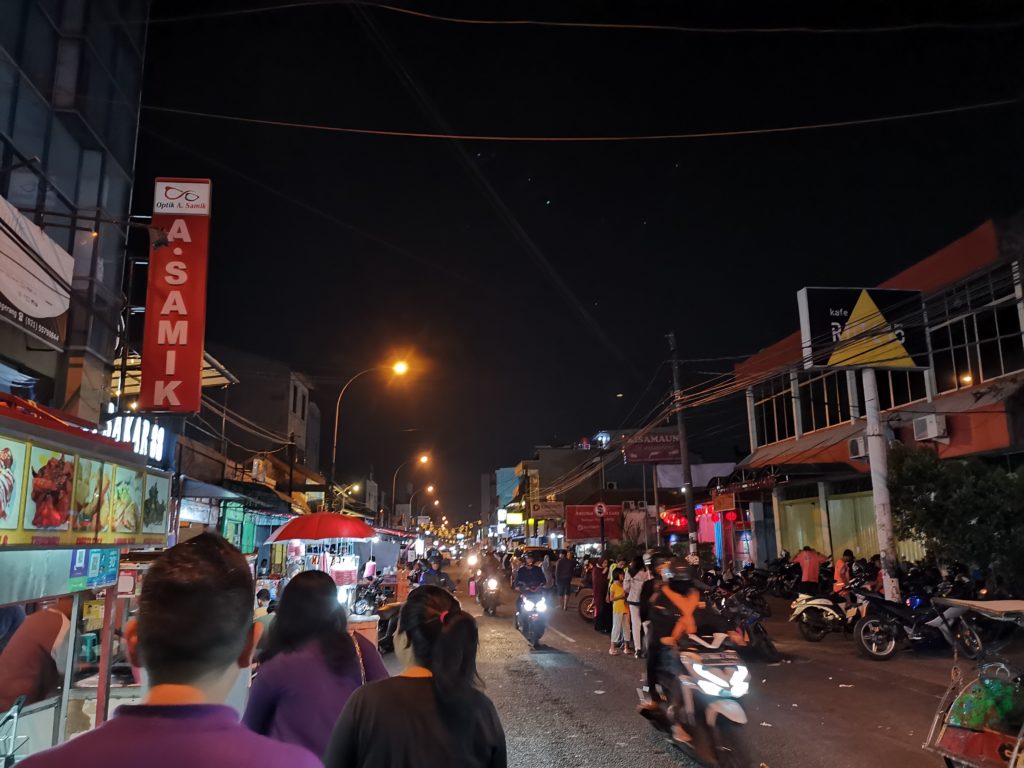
(259,496)
(197,489)
(214,374)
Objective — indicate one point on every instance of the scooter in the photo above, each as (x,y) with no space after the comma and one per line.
(488,592)
(704,691)
(531,616)
(735,608)
(816,616)
(891,626)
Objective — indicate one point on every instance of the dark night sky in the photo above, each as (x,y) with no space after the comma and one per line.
(330,251)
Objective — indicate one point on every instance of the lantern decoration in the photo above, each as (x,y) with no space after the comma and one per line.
(715,517)
(730,516)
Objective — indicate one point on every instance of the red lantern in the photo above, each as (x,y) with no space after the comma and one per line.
(715,517)
(730,516)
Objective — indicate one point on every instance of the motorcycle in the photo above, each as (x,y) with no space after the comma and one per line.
(531,615)
(735,608)
(705,688)
(783,576)
(488,592)
(816,617)
(585,603)
(387,626)
(370,597)
(915,621)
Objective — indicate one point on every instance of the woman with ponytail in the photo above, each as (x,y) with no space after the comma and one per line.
(450,723)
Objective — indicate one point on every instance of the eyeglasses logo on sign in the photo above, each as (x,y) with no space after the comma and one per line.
(182,198)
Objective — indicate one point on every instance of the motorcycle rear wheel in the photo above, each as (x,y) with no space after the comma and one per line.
(875,639)
(968,640)
(812,633)
(586,608)
(362,607)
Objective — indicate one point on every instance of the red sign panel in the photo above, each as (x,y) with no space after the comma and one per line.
(172,353)
(651,449)
(582,522)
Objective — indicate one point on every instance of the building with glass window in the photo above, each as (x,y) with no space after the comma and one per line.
(806,426)
(70,87)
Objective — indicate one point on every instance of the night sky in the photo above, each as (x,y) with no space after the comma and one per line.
(532,282)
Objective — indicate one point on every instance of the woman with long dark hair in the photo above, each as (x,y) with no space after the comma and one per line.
(443,718)
(309,665)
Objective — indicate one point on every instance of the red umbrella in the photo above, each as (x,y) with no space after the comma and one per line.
(322,525)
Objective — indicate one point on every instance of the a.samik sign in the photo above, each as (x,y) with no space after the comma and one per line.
(172,354)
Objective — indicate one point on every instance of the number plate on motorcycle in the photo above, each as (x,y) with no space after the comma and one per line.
(722,659)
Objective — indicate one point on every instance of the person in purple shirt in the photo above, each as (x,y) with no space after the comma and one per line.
(309,666)
(193,634)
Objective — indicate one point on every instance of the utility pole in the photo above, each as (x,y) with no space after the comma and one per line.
(684,447)
(878,460)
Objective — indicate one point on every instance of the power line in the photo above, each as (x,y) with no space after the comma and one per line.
(623,26)
(589,139)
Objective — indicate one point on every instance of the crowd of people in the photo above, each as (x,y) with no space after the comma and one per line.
(321,695)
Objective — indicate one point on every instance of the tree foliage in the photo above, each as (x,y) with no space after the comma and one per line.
(966,510)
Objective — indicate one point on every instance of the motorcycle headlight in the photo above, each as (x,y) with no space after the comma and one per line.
(473,559)
(492,583)
(528,604)
(542,605)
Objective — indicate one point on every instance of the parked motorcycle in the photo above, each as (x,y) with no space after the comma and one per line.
(735,608)
(783,576)
(818,616)
(370,597)
(585,603)
(531,615)
(891,625)
(387,626)
(705,690)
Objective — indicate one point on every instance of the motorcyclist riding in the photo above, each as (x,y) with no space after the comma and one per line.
(529,578)
(436,576)
(677,611)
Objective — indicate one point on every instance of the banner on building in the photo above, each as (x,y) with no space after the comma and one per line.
(546,510)
(581,522)
(651,449)
(862,328)
(35,278)
(173,341)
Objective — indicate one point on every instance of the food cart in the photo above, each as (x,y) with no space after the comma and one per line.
(71,502)
(980,720)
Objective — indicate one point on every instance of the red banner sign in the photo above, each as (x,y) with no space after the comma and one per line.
(651,449)
(172,353)
(582,522)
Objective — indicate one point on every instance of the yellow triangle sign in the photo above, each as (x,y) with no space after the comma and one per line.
(868,340)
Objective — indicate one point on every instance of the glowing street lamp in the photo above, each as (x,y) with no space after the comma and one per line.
(423,459)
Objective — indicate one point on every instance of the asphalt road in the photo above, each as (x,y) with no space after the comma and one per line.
(571,704)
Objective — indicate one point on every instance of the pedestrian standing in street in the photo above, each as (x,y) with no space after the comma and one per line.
(194,634)
(636,577)
(448,722)
(602,608)
(310,667)
(810,563)
(617,597)
(563,577)
(549,575)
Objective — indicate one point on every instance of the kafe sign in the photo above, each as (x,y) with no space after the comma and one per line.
(172,360)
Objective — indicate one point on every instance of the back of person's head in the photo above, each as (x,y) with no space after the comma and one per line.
(444,639)
(807,548)
(309,611)
(636,566)
(263,596)
(195,611)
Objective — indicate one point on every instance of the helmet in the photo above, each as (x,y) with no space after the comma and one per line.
(674,569)
(653,558)
(437,559)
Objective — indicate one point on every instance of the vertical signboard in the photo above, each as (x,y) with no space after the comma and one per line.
(172,353)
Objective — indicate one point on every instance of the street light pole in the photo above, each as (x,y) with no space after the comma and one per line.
(400,368)
(423,459)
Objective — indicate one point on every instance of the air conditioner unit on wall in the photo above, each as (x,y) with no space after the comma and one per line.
(612,486)
(858,447)
(930,427)
(628,506)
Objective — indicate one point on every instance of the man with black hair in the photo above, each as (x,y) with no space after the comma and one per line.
(262,601)
(193,635)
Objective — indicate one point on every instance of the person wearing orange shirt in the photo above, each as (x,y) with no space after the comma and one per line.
(810,563)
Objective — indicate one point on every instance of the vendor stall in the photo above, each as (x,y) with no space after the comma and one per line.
(71,503)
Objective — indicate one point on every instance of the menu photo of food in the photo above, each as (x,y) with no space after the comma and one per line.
(156,503)
(52,475)
(126,512)
(91,504)
(12,482)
